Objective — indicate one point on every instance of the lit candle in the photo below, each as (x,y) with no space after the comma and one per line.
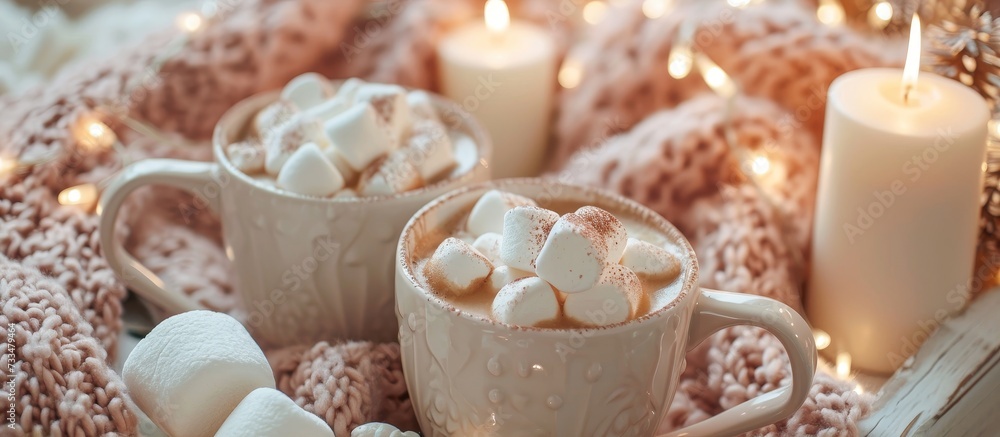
(504,73)
(897,210)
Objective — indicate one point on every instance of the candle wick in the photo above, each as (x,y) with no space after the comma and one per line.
(907,89)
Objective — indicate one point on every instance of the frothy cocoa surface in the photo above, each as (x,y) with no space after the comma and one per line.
(659,293)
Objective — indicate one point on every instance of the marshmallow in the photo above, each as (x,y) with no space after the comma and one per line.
(488,244)
(609,228)
(360,135)
(390,175)
(614,299)
(349,173)
(267,120)
(573,256)
(307,90)
(456,268)
(421,105)
(266,412)
(191,371)
(328,109)
(430,149)
(649,260)
(389,102)
(488,213)
(503,275)
(524,232)
(346,193)
(379,429)
(308,172)
(349,88)
(526,302)
(287,138)
(247,156)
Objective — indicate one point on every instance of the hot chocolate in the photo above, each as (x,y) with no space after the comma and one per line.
(560,266)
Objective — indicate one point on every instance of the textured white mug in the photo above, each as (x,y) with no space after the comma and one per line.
(469,376)
(307,268)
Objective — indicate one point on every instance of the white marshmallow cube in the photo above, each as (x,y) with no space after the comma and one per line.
(247,156)
(421,105)
(649,260)
(379,429)
(503,275)
(349,88)
(488,213)
(268,119)
(488,244)
(328,108)
(192,370)
(390,175)
(308,172)
(430,149)
(266,412)
(526,302)
(349,173)
(573,256)
(609,228)
(389,102)
(307,90)
(456,268)
(288,137)
(359,135)
(525,229)
(614,299)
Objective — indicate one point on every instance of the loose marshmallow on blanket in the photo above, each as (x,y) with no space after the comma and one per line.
(288,137)
(430,149)
(488,214)
(247,156)
(266,412)
(308,172)
(389,102)
(421,105)
(488,244)
(379,429)
(360,135)
(574,255)
(389,175)
(608,227)
(649,260)
(503,275)
(525,302)
(614,299)
(456,268)
(192,370)
(307,90)
(525,229)
(268,119)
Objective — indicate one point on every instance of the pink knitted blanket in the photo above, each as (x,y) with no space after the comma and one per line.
(65,302)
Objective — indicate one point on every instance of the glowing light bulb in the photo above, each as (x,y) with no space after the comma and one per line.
(822,339)
(880,15)
(190,22)
(830,12)
(7,165)
(654,9)
(679,62)
(715,77)
(859,389)
(760,165)
(739,3)
(497,16)
(94,134)
(84,194)
(844,365)
(594,11)
(571,73)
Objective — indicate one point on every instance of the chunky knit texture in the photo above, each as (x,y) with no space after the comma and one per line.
(65,302)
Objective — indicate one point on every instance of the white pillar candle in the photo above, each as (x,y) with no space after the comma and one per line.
(504,74)
(897,212)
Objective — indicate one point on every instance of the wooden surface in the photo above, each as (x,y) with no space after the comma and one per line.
(951,387)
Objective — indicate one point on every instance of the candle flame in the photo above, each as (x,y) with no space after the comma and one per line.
(84,194)
(715,77)
(912,67)
(497,16)
(844,365)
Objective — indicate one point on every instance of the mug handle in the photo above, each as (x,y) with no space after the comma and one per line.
(715,310)
(191,176)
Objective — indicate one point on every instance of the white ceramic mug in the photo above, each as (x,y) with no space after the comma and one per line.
(468,375)
(308,268)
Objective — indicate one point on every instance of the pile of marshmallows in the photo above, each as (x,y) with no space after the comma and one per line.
(540,267)
(200,373)
(359,139)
